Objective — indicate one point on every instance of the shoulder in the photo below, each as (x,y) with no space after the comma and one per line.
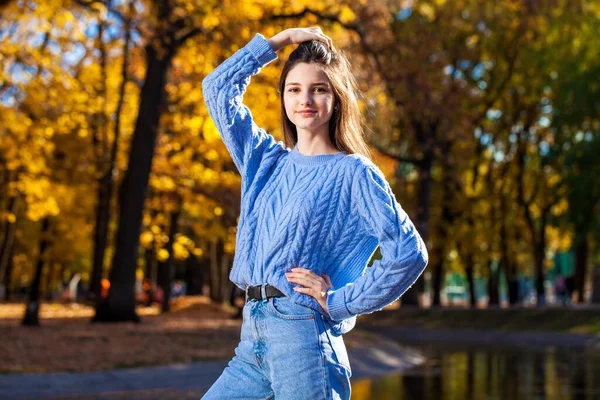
(365,170)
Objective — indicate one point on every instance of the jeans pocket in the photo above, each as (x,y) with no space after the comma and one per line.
(286,308)
(333,346)
(339,351)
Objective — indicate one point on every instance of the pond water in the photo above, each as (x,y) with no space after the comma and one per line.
(460,372)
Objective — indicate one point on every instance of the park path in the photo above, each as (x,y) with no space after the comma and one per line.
(181,381)
(189,381)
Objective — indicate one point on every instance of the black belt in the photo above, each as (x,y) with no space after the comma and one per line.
(255,293)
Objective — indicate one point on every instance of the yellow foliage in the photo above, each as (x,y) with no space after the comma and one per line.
(561,207)
(198,252)
(210,21)
(180,252)
(162,255)
(535,210)
(558,239)
(146,239)
(211,155)
(426,10)
(10,217)
(346,15)
(553,180)
(472,40)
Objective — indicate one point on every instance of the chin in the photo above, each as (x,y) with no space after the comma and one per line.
(304,126)
(310,126)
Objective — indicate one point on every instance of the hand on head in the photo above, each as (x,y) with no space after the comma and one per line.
(299,35)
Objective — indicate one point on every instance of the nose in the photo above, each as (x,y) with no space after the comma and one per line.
(306,99)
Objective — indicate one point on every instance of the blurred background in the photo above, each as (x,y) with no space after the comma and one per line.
(118,198)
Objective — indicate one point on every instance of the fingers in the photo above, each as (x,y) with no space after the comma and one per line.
(325,39)
(320,36)
(308,278)
(303,279)
(312,284)
(303,290)
(327,280)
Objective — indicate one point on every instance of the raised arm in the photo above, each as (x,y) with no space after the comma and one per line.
(403,250)
(223,91)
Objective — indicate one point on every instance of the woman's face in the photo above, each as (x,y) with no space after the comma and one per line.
(308,98)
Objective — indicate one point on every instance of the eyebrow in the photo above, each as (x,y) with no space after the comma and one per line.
(314,84)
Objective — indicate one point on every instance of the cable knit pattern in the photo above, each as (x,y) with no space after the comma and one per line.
(327,213)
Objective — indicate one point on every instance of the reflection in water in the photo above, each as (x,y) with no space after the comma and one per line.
(476,373)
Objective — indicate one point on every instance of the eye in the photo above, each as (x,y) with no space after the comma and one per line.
(292,90)
(321,90)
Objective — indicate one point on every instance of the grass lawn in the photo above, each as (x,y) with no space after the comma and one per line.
(566,320)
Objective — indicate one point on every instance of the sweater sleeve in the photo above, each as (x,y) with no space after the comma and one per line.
(403,250)
(223,90)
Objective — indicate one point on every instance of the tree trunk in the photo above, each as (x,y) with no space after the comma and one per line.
(512,284)
(438,274)
(596,285)
(32,312)
(100,235)
(581,259)
(415,292)
(492,287)
(471,280)
(48,281)
(540,256)
(536,230)
(120,305)
(106,182)
(10,229)
(151,274)
(216,284)
(165,269)
(539,273)
(194,276)
(225,283)
(446,221)
(8,275)
(493,273)
(465,247)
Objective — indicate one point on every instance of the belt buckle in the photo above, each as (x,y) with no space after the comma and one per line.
(263,292)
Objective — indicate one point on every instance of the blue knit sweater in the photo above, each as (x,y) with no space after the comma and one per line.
(327,213)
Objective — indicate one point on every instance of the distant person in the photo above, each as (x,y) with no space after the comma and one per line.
(147,292)
(560,287)
(311,218)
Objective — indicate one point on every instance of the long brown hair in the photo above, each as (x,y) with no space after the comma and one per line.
(346,126)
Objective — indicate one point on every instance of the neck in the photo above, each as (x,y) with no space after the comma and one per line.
(312,144)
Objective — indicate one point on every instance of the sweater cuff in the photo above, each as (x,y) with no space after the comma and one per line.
(336,305)
(260,48)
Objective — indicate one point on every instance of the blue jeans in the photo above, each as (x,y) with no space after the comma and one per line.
(286,352)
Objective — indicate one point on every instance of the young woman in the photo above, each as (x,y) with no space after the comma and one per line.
(311,218)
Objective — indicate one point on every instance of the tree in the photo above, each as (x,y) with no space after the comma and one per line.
(32,311)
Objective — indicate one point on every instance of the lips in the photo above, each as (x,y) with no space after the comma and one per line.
(307,113)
